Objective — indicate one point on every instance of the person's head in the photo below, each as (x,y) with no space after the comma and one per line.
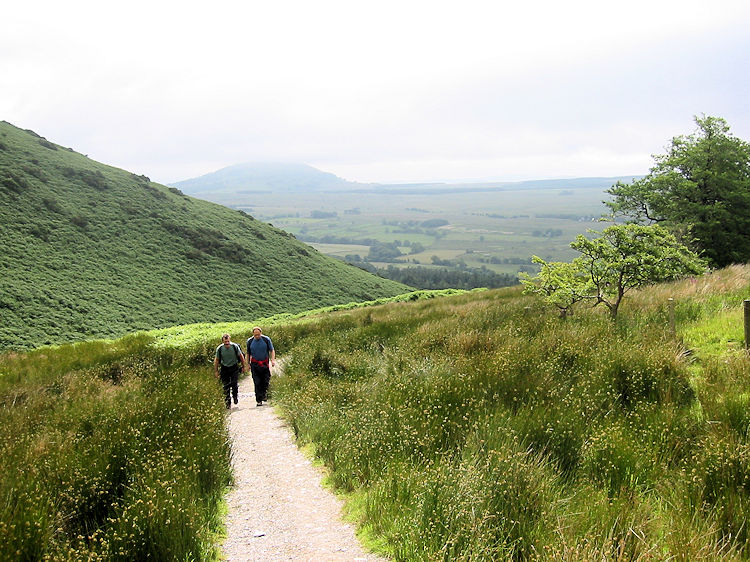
(257,332)
(225,339)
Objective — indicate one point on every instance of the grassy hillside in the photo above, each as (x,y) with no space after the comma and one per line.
(482,427)
(110,451)
(473,427)
(94,251)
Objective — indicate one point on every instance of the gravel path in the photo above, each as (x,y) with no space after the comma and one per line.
(278,509)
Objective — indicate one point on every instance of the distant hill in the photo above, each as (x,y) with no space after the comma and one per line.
(94,251)
(235,183)
(261,176)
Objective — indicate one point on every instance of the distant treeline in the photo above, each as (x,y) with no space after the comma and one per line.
(429,223)
(443,277)
(331,239)
(563,216)
(401,228)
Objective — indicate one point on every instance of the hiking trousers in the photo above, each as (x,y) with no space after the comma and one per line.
(229,377)
(261,380)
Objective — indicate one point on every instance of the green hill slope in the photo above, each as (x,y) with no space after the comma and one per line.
(94,251)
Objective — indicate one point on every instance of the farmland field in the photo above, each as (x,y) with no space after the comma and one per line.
(500,228)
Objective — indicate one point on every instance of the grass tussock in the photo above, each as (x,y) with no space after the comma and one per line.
(109,452)
(481,427)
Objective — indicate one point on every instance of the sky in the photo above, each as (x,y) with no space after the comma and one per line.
(386,91)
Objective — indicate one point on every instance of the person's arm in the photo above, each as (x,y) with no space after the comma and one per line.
(216,366)
(245,365)
(273,357)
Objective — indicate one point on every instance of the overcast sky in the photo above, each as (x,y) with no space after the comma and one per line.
(375,91)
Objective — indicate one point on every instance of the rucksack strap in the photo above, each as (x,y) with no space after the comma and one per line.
(237,351)
(265,339)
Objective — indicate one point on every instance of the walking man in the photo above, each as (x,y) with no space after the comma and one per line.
(260,351)
(229,358)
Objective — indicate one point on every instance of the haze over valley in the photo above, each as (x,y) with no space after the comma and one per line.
(497,225)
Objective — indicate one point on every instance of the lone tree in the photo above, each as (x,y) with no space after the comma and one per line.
(624,257)
(629,256)
(700,190)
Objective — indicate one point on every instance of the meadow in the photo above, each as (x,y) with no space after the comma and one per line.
(466,426)
(110,451)
(482,427)
(118,449)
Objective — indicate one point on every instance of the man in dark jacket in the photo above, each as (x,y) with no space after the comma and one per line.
(229,358)
(260,351)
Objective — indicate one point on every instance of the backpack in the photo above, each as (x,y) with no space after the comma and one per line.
(238,351)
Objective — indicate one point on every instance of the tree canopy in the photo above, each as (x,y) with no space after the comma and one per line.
(624,257)
(561,284)
(699,190)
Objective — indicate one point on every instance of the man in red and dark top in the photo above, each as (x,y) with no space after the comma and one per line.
(260,351)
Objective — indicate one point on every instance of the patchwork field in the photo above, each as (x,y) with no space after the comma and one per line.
(498,227)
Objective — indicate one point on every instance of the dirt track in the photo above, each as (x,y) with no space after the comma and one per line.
(278,509)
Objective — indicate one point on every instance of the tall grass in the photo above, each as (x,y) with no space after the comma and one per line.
(110,451)
(482,428)
(119,450)
(475,427)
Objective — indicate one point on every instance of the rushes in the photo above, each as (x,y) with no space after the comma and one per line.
(478,429)
(470,428)
(126,467)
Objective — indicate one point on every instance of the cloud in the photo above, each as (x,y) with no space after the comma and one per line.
(375,90)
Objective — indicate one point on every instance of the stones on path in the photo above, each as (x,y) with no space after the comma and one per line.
(278,509)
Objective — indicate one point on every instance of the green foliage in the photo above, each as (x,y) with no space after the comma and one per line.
(629,256)
(473,428)
(623,258)
(109,451)
(383,252)
(91,178)
(92,251)
(443,277)
(700,188)
(561,284)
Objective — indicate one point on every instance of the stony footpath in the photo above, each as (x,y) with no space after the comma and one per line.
(278,509)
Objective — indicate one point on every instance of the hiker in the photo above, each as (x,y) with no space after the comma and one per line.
(229,358)
(260,351)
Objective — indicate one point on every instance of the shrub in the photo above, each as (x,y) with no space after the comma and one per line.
(46,144)
(14,182)
(92,178)
(80,221)
(52,204)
